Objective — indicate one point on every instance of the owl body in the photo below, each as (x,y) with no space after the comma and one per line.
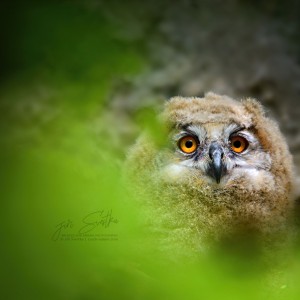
(223,169)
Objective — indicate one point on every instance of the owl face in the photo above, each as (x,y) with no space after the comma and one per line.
(221,142)
(219,153)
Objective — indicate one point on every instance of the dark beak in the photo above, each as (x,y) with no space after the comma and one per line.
(216,166)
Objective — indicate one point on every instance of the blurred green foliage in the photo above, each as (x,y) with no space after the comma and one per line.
(59,61)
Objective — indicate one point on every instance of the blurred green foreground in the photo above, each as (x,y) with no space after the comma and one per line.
(68,227)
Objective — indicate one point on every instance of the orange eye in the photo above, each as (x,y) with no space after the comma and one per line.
(188,144)
(238,144)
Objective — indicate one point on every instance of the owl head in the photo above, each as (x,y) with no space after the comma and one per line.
(226,143)
(224,167)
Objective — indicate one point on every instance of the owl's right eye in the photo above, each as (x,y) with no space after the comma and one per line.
(188,144)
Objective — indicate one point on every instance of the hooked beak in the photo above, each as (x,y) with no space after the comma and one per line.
(216,166)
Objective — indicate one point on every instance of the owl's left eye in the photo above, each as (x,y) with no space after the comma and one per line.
(238,144)
(188,144)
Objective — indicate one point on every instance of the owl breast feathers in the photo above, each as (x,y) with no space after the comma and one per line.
(223,167)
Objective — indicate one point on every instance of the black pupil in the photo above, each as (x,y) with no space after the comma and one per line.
(237,144)
(189,144)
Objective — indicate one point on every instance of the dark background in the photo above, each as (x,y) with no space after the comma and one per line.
(132,55)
